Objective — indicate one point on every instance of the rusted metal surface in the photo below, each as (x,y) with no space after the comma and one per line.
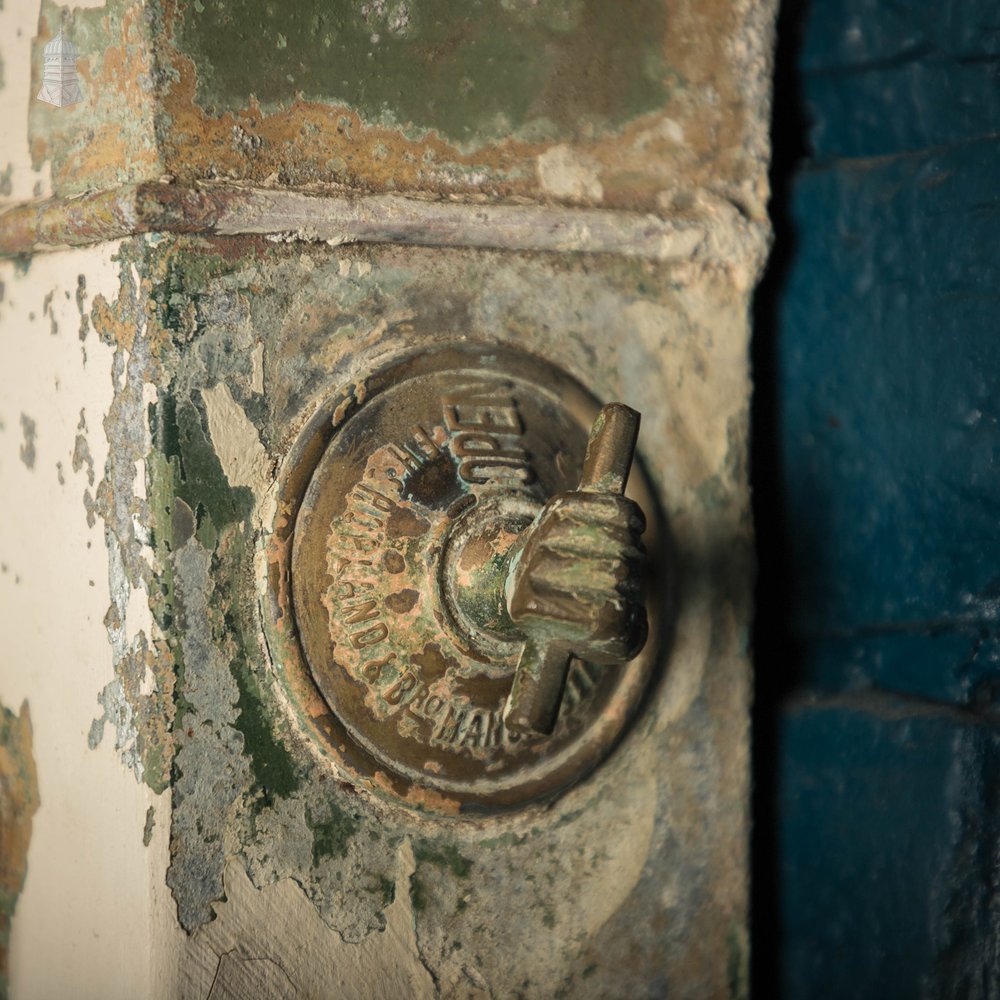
(338,218)
(564,101)
(401,551)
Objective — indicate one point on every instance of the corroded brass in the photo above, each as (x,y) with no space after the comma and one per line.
(434,500)
(573,586)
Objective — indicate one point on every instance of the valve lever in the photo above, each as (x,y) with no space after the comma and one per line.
(532,707)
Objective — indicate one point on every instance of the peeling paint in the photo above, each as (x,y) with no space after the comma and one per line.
(458,104)
(147,827)
(57,655)
(236,440)
(81,299)
(211,771)
(139,701)
(236,786)
(29,434)
(273,941)
(81,450)
(47,311)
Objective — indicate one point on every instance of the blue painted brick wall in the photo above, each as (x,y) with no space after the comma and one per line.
(883,600)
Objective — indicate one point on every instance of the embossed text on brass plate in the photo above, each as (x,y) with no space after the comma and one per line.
(405,528)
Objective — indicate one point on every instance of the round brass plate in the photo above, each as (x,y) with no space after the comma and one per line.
(410,507)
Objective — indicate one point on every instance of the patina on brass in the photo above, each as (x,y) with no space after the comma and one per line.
(574,583)
(434,501)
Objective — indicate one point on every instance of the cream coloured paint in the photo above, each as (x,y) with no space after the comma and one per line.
(18,25)
(95,918)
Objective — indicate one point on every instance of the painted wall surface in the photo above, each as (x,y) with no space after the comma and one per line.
(99,840)
(878,528)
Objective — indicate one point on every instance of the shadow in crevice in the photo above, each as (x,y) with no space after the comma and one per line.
(775,661)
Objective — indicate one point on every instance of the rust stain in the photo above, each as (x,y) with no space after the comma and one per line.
(309,142)
(419,797)
(108,146)
(112,321)
(120,322)
(98,145)
(306,143)
(18,803)
(702,136)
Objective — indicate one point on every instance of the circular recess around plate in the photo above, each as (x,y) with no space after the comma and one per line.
(398,505)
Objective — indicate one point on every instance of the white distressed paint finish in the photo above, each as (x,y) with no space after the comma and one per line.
(95,918)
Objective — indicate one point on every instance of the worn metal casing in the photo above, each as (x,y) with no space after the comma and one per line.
(544,882)
(246,253)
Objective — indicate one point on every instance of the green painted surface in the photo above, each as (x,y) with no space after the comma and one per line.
(471,71)
(271,764)
(332,834)
(444,856)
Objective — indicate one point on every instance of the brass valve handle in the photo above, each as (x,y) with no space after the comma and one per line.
(574,578)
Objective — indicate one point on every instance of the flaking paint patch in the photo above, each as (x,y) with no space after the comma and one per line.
(48,311)
(18,803)
(139,701)
(29,434)
(59,657)
(81,305)
(236,441)
(570,174)
(278,934)
(211,770)
(239,789)
(82,457)
(148,826)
